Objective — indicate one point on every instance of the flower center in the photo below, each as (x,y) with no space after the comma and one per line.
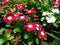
(42,33)
(30,26)
(9,17)
(20,6)
(29,11)
(7,0)
(22,17)
(37,25)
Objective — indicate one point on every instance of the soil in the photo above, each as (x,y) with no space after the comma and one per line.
(44,43)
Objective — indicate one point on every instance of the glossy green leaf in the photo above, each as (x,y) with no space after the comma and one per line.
(30,42)
(2,30)
(37,40)
(26,36)
(17,30)
(8,37)
(2,40)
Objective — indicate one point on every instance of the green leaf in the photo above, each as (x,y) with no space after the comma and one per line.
(52,35)
(54,24)
(2,40)
(8,37)
(2,30)
(7,25)
(16,30)
(26,36)
(37,40)
(30,42)
(14,9)
(8,43)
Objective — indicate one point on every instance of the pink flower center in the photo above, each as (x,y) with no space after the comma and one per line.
(9,18)
(42,33)
(37,28)
(20,6)
(22,17)
(29,11)
(15,15)
(7,0)
(30,26)
(37,25)
(56,3)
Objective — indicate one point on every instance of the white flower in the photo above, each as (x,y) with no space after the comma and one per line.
(42,18)
(51,19)
(47,13)
(44,13)
(55,10)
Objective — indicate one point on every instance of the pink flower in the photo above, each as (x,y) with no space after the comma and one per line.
(31,11)
(20,6)
(42,34)
(36,16)
(38,26)
(23,17)
(30,26)
(56,3)
(2,2)
(16,14)
(9,18)
(6,1)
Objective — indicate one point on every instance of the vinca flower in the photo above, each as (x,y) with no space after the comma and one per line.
(51,19)
(38,26)
(56,3)
(9,18)
(23,17)
(31,11)
(55,11)
(6,1)
(20,6)
(30,26)
(42,34)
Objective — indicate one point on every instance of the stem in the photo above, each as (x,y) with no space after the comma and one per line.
(55,31)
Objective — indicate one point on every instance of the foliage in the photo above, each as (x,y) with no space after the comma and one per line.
(29,20)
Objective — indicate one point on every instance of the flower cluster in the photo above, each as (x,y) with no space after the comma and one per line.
(5,1)
(30,26)
(29,20)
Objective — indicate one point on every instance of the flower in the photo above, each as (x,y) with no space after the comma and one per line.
(51,19)
(16,14)
(55,10)
(42,34)
(47,13)
(36,16)
(56,3)
(20,6)
(30,26)
(9,18)
(31,11)
(6,1)
(23,17)
(38,26)
(2,2)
